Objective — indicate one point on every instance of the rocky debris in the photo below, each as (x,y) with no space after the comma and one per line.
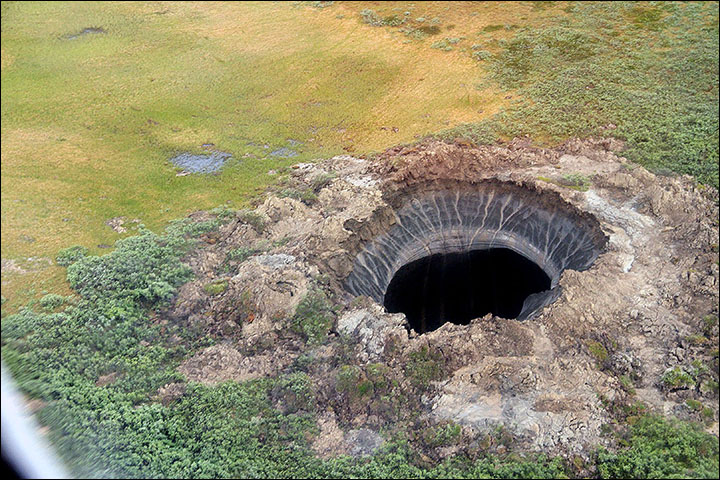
(370,328)
(330,441)
(108,379)
(12,266)
(363,442)
(116,223)
(275,261)
(171,392)
(219,363)
(542,379)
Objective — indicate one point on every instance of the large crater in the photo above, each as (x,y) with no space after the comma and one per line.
(458,251)
(444,232)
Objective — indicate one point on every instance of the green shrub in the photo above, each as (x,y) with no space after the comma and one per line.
(697,339)
(575,181)
(627,384)
(322,180)
(51,301)
(141,268)
(314,316)
(70,255)
(598,351)
(322,4)
(241,254)
(306,195)
(481,55)
(709,322)
(660,448)
(429,29)
(677,378)
(442,435)
(295,391)
(371,18)
(393,21)
(442,45)
(708,414)
(694,405)
(709,386)
(347,378)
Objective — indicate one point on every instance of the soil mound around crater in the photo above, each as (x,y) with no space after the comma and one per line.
(633,259)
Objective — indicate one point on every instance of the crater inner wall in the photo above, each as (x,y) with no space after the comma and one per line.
(479,217)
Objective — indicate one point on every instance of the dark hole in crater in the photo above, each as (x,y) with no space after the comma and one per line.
(458,287)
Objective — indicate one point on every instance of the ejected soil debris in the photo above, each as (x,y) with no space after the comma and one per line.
(116,223)
(630,261)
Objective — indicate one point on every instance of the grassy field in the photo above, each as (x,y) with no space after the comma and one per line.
(89,123)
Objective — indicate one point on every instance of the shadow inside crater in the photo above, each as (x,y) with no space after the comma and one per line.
(458,287)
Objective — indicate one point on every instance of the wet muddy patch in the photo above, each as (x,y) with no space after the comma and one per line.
(288,151)
(200,163)
(284,152)
(86,31)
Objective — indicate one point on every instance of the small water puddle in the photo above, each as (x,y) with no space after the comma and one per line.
(86,31)
(284,152)
(205,163)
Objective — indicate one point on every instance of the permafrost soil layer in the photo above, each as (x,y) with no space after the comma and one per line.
(632,259)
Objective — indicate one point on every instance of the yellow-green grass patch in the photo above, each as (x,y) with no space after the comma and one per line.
(89,123)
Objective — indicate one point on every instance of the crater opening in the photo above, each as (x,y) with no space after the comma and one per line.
(456,251)
(458,287)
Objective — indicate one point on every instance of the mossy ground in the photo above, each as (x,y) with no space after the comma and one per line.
(89,123)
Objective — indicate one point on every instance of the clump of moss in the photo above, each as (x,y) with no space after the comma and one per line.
(598,351)
(314,316)
(216,288)
(253,219)
(677,378)
(424,366)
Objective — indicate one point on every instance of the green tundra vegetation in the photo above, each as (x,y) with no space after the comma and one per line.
(96,97)
(118,428)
